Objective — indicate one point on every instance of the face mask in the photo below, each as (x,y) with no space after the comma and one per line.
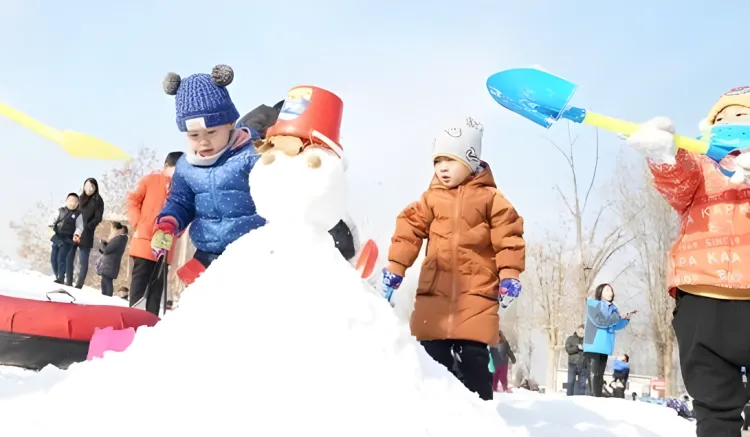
(725,139)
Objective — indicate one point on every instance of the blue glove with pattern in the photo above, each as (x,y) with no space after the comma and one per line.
(389,284)
(510,289)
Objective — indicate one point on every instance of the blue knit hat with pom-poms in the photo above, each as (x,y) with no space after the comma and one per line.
(202,99)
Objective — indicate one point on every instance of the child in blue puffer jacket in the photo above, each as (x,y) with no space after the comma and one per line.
(210,185)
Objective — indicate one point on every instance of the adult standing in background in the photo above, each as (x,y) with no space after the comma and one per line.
(576,363)
(144,204)
(91,206)
(603,319)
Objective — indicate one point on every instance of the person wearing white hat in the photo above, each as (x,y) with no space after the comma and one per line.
(475,254)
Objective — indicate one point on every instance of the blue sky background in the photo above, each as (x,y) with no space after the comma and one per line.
(403,69)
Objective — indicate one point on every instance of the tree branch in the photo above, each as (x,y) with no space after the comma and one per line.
(593,177)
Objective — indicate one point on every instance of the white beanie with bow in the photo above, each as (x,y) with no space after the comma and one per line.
(462,142)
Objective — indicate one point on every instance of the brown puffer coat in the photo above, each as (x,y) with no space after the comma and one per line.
(475,238)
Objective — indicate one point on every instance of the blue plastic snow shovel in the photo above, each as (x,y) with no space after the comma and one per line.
(544,98)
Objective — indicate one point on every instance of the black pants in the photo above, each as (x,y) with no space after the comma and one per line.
(712,336)
(596,364)
(108,286)
(618,387)
(59,257)
(140,284)
(84,253)
(470,364)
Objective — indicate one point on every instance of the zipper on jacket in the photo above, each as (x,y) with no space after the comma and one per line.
(212,190)
(454,262)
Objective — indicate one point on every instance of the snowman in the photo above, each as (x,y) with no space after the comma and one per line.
(301,175)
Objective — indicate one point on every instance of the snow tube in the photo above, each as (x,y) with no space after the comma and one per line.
(35,333)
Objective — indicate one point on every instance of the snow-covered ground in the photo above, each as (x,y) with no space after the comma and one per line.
(280,337)
(19,282)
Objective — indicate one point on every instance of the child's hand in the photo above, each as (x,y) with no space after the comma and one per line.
(655,141)
(510,289)
(389,284)
(742,171)
(76,239)
(161,242)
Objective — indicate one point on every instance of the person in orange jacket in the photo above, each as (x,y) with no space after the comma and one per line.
(144,204)
(708,273)
(475,254)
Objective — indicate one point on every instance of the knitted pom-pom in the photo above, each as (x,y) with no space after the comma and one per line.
(222,75)
(172,83)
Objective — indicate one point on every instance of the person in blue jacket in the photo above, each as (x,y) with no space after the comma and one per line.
(603,319)
(620,374)
(210,189)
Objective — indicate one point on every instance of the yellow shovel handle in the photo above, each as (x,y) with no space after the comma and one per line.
(74,143)
(30,123)
(628,128)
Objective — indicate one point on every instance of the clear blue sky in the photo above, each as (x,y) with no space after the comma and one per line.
(403,68)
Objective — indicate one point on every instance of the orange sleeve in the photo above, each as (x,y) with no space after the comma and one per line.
(506,233)
(135,202)
(412,227)
(678,183)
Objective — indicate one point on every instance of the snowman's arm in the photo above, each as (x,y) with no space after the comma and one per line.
(678,183)
(506,233)
(180,202)
(412,227)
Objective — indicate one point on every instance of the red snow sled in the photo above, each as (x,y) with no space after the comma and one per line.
(36,333)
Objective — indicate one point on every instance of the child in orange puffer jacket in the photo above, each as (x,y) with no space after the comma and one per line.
(475,254)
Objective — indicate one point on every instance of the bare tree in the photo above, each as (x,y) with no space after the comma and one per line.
(593,248)
(548,280)
(117,182)
(653,225)
(33,232)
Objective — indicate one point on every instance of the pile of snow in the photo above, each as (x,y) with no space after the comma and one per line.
(280,337)
(535,415)
(17,281)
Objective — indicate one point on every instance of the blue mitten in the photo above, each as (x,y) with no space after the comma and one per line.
(510,289)
(389,284)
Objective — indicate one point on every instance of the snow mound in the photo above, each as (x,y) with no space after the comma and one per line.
(280,337)
(531,414)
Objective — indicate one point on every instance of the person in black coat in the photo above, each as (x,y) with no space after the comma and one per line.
(66,226)
(108,266)
(91,206)
(576,363)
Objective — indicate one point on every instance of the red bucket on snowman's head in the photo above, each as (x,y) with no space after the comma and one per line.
(313,115)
